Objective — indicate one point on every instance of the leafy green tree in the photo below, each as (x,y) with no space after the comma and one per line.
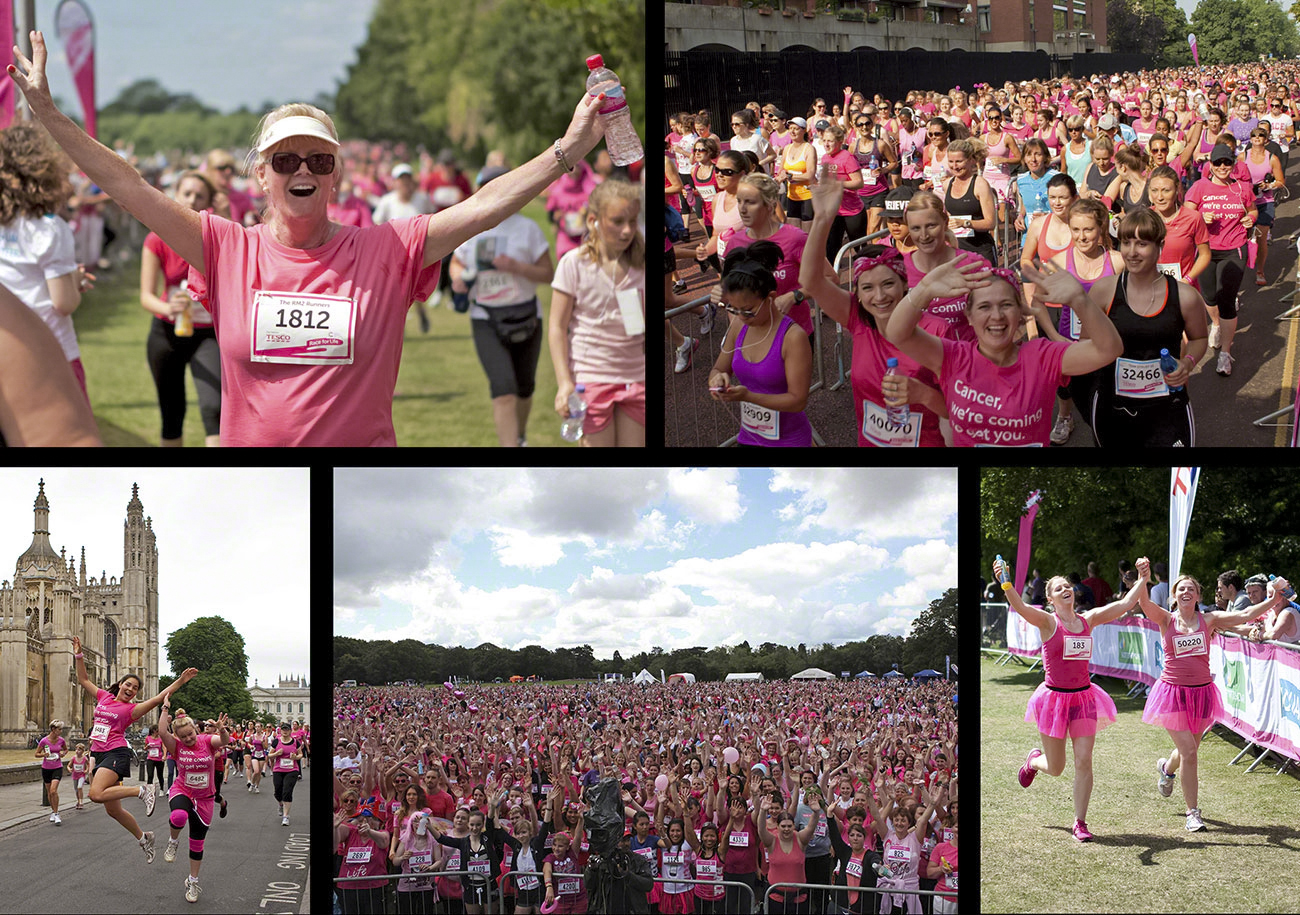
(1236,31)
(216,648)
(933,635)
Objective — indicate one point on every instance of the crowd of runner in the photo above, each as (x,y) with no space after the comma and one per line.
(852,783)
(1083,242)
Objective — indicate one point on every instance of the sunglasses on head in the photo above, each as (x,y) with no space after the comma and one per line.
(317,163)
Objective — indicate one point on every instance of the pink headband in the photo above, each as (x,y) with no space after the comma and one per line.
(1005,273)
(888,258)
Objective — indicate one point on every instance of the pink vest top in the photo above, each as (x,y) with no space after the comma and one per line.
(1067,664)
(1187,655)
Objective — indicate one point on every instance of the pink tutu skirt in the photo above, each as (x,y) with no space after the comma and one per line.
(1183,708)
(1080,714)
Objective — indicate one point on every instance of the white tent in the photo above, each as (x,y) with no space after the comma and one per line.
(685,678)
(813,673)
(754,676)
(644,677)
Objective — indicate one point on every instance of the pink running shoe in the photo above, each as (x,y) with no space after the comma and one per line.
(1027,772)
(1081,831)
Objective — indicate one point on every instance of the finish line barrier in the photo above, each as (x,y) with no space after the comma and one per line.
(840,888)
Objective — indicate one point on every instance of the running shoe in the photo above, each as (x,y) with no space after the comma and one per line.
(1194,823)
(1214,336)
(51,818)
(424,321)
(1063,428)
(1164,781)
(706,321)
(191,889)
(223,808)
(1259,278)
(146,842)
(679,287)
(55,820)
(257,790)
(79,807)
(284,822)
(1027,772)
(169,855)
(1081,831)
(150,797)
(250,787)
(684,353)
(1224,366)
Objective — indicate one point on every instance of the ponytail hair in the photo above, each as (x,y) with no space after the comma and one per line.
(750,269)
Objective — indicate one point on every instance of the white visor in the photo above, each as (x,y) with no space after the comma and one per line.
(295,127)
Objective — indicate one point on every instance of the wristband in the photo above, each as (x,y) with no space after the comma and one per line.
(1007,586)
(78,655)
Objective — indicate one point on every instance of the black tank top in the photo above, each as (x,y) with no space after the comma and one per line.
(1142,201)
(1143,338)
(967,205)
(1096,181)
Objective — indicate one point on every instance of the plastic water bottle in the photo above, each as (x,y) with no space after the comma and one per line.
(1289,593)
(1169,365)
(184,322)
(873,164)
(898,416)
(620,138)
(571,429)
(1002,572)
(1040,203)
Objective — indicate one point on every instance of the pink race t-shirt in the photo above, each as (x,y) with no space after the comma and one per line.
(600,348)
(345,302)
(845,165)
(111,720)
(54,751)
(1228,205)
(951,311)
(194,768)
(174,269)
(154,747)
(1182,235)
(791,241)
(870,350)
(1004,406)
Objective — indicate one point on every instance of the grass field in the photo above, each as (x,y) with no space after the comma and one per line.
(1141,859)
(442,392)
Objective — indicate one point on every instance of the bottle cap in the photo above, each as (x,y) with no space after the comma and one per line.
(594,62)
(580,388)
(891,362)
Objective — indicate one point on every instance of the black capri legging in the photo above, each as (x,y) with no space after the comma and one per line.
(284,782)
(511,367)
(854,227)
(198,829)
(152,766)
(1222,279)
(168,356)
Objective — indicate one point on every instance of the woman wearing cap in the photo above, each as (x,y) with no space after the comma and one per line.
(1265,174)
(798,168)
(879,284)
(163,282)
(310,314)
(1229,210)
(998,391)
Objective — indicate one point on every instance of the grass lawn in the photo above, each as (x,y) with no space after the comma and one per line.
(442,392)
(1141,859)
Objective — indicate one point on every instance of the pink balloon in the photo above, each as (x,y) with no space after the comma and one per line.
(661,783)
(730,755)
(449,686)
(473,708)
(459,694)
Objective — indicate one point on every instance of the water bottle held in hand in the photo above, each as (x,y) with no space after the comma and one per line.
(898,416)
(1288,593)
(1001,571)
(1169,365)
(620,138)
(571,428)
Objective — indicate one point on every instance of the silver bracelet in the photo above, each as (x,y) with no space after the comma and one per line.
(559,157)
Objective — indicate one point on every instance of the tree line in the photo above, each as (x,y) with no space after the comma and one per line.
(1227,31)
(933,635)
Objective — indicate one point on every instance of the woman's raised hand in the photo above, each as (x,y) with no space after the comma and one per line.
(32,82)
(955,279)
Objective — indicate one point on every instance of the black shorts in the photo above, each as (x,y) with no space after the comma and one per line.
(49,775)
(876,201)
(670,262)
(1162,422)
(798,209)
(118,761)
(511,367)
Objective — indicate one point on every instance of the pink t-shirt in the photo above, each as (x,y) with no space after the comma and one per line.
(791,241)
(285,761)
(992,405)
(54,751)
(565,200)
(155,748)
(600,348)
(174,269)
(194,769)
(351,212)
(951,311)
(1228,205)
(845,165)
(870,350)
(371,276)
(947,884)
(111,720)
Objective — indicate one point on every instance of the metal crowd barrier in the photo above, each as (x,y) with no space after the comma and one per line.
(839,888)
(841,375)
(383,907)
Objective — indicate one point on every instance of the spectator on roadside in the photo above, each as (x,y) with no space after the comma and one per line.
(1231,588)
(1160,590)
(1084,598)
(1101,590)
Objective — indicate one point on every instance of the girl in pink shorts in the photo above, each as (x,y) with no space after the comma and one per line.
(597,322)
(1067,705)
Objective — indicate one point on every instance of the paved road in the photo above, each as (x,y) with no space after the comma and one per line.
(251,863)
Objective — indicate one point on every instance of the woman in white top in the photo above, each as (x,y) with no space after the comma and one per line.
(744,124)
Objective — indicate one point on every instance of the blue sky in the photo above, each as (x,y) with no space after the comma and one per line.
(628,559)
(227,54)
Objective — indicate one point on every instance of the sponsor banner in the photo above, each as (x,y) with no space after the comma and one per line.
(1260,687)
(1129,649)
(74,27)
(1022,638)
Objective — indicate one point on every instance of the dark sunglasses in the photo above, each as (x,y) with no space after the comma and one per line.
(1163,149)
(1222,162)
(697,149)
(1074,128)
(727,172)
(317,163)
(225,168)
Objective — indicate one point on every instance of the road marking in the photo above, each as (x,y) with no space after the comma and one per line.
(1288,381)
